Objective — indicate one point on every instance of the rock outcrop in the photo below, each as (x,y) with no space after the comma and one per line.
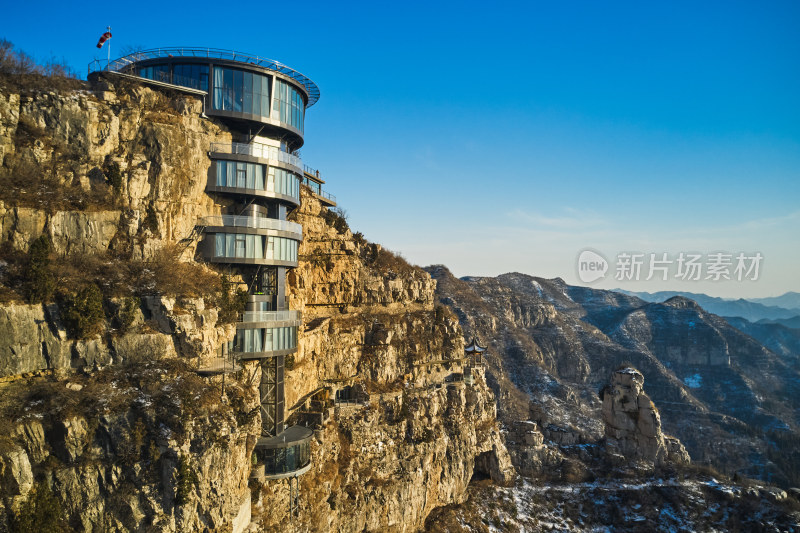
(633,424)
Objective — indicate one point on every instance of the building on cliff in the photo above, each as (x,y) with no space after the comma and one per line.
(257,178)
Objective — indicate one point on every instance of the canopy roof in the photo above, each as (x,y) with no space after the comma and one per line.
(290,437)
(474,347)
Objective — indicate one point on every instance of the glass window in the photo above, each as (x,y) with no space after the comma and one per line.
(239,245)
(242,175)
(259,180)
(191,75)
(268,345)
(289,104)
(219,88)
(265,339)
(238,90)
(242,91)
(222,166)
(247,93)
(156,72)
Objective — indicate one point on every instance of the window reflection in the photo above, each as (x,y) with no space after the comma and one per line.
(265,339)
(285,460)
(289,104)
(241,91)
(241,246)
(251,176)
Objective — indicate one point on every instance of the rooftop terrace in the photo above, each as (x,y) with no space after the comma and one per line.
(122,63)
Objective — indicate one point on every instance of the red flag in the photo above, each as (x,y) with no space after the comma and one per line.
(103,38)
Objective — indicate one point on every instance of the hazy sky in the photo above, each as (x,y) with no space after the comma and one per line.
(497,137)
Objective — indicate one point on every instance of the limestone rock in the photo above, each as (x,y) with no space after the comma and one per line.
(633,424)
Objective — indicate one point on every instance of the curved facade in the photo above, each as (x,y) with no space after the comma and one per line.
(244,90)
(284,456)
(255,180)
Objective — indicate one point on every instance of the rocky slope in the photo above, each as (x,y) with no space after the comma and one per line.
(692,504)
(731,402)
(114,429)
(778,338)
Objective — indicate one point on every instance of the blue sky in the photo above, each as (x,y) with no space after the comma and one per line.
(510,136)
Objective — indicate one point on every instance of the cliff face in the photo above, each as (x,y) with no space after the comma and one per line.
(120,427)
(413,446)
(110,174)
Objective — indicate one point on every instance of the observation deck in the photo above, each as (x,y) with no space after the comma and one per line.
(126,62)
(288,454)
(312,180)
(247,90)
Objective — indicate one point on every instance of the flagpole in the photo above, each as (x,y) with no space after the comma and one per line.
(109,48)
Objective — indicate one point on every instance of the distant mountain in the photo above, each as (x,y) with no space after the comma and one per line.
(777,337)
(750,310)
(732,402)
(790,300)
(793,323)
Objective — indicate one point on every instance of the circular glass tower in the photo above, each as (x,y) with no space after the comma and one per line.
(256,178)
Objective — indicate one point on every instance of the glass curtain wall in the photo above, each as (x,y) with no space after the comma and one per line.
(289,104)
(284,460)
(251,176)
(156,72)
(246,246)
(265,339)
(241,91)
(194,76)
(191,75)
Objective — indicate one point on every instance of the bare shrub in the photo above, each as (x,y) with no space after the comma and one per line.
(19,71)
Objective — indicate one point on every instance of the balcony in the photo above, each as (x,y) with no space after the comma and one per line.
(286,455)
(242,221)
(312,180)
(261,151)
(270,317)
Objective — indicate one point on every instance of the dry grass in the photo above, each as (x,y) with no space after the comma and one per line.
(117,276)
(389,264)
(168,391)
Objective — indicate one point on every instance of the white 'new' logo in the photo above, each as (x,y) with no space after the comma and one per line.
(591,266)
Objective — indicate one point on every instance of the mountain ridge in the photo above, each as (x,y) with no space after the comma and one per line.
(750,309)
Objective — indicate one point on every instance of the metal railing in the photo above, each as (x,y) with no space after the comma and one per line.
(125,62)
(316,188)
(327,195)
(271,316)
(243,221)
(264,151)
